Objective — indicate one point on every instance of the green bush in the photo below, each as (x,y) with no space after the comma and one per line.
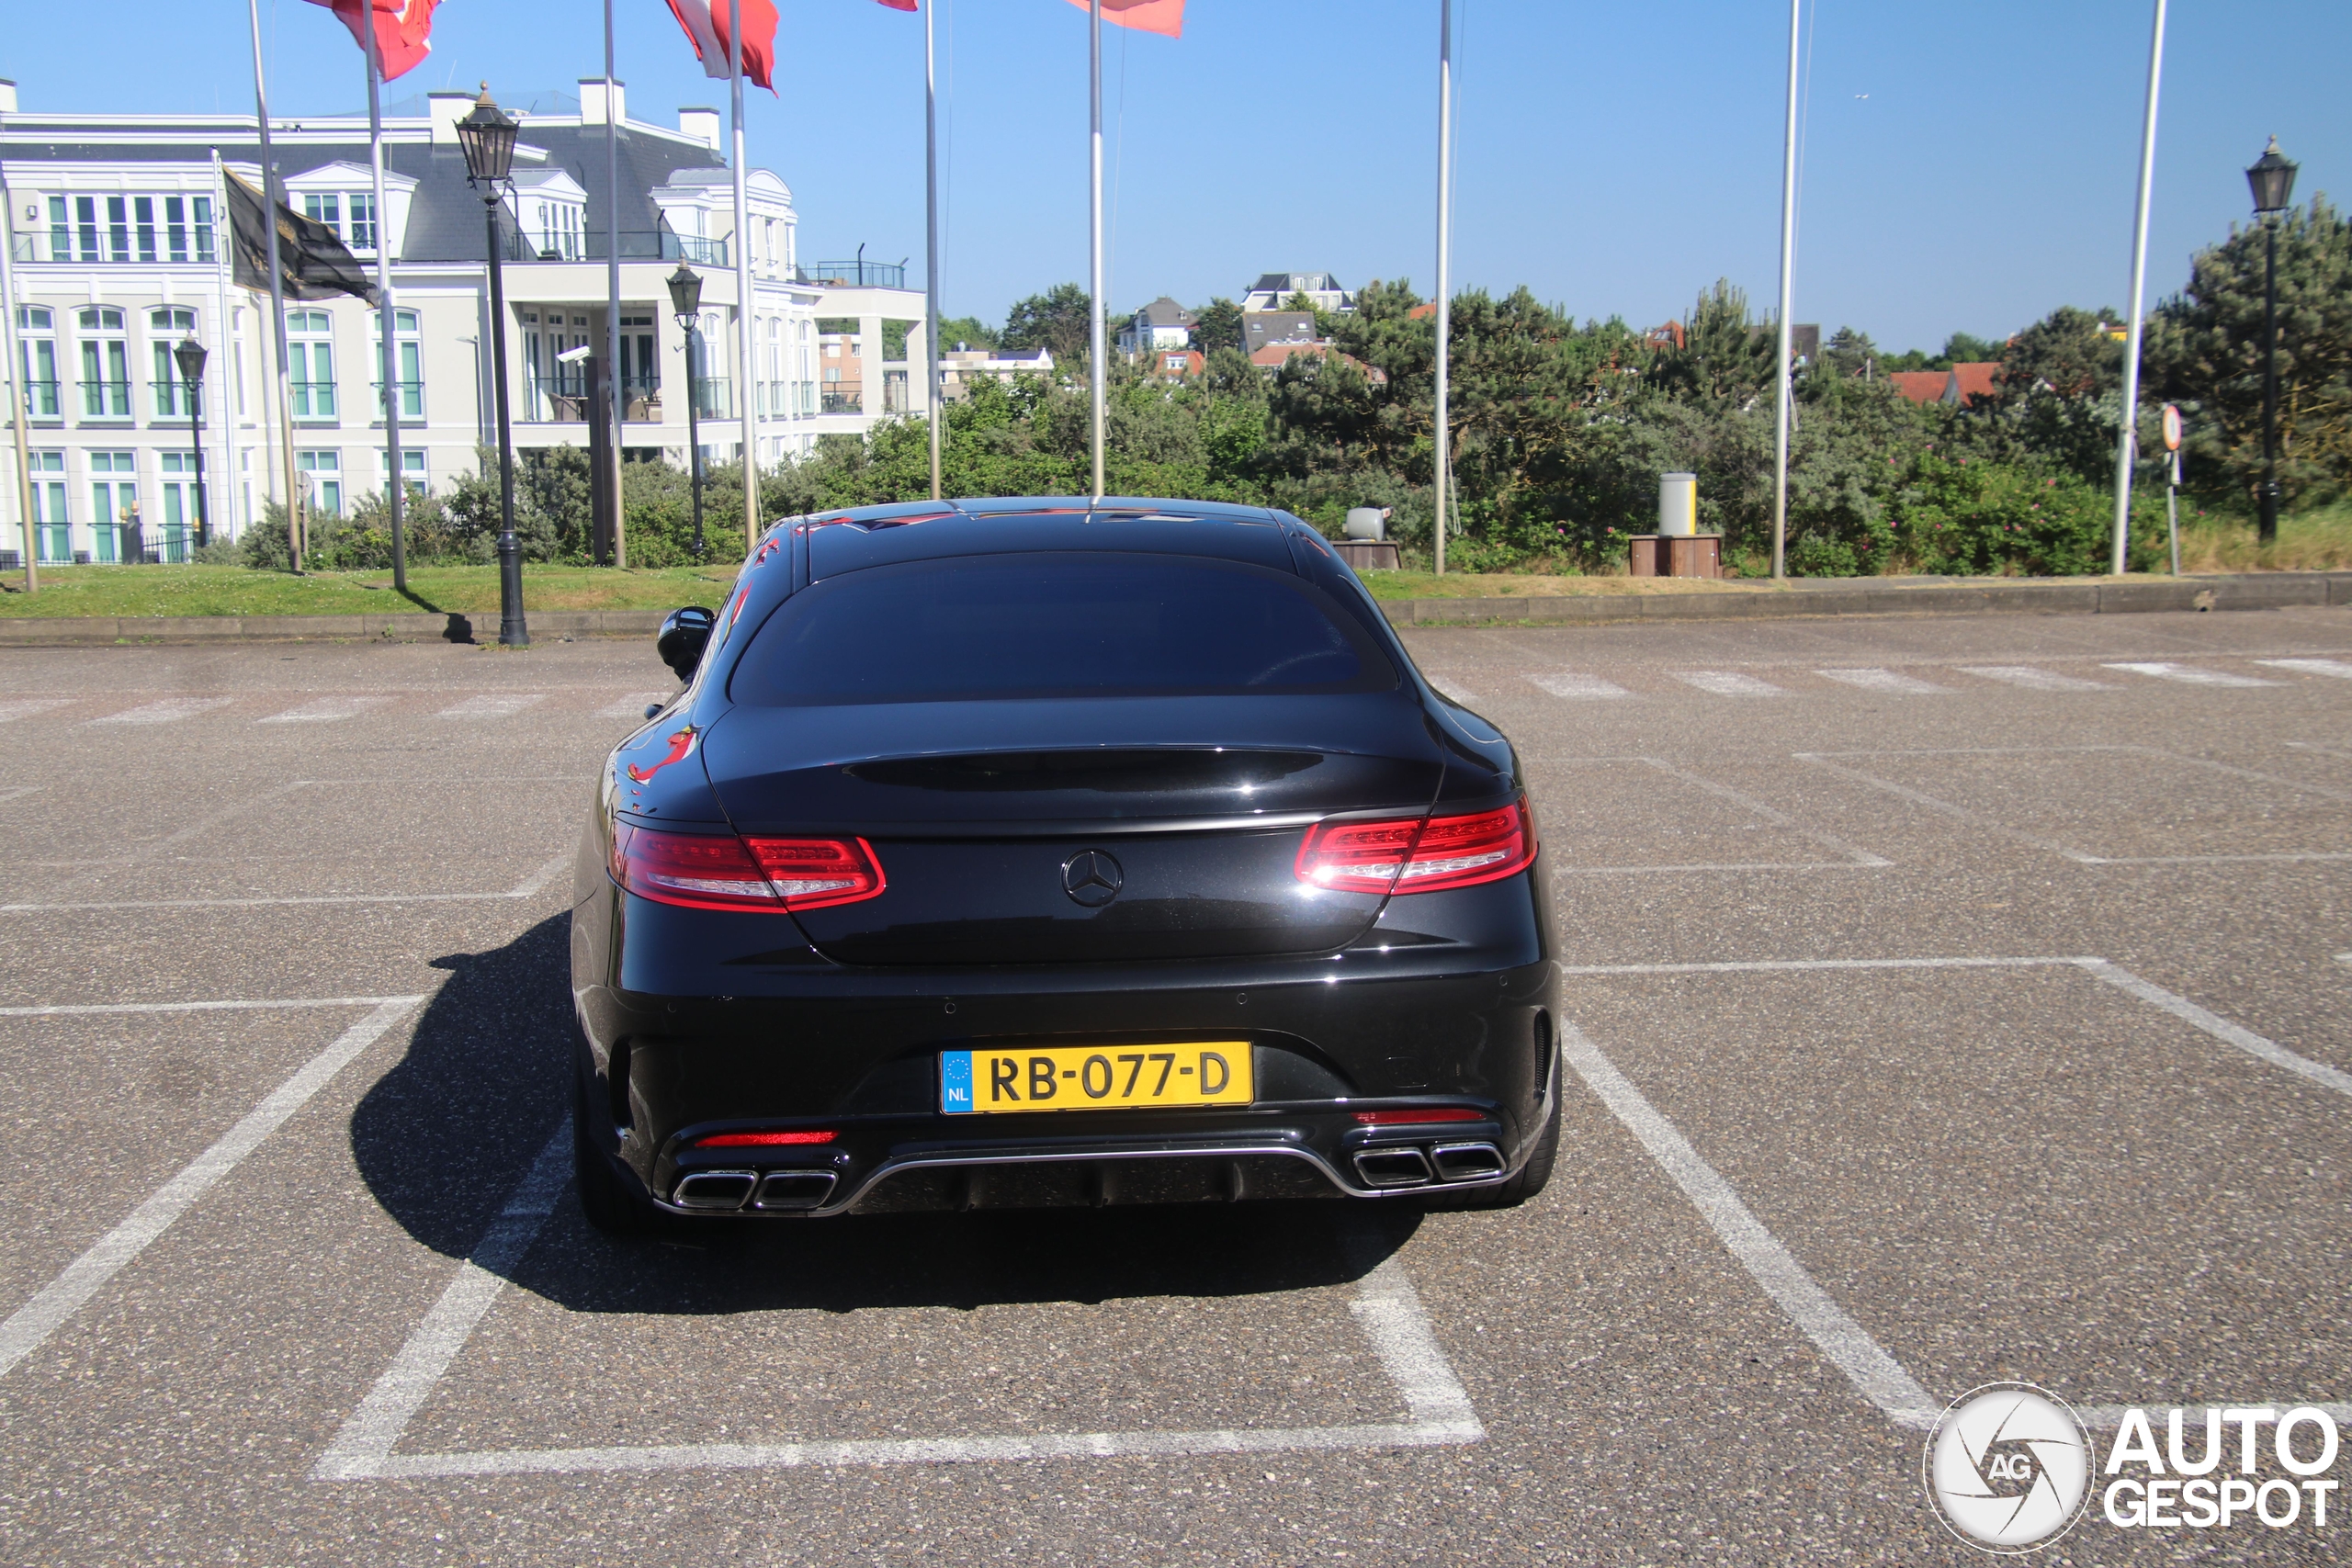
(1967,517)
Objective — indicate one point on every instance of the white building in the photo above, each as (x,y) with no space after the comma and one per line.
(116,232)
(1162,325)
(1273,290)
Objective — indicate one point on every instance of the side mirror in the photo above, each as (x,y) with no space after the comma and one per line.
(684,634)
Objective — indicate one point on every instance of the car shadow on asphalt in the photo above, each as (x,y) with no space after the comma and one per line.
(443,1138)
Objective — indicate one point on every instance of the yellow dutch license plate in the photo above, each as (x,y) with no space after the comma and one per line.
(1095,1078)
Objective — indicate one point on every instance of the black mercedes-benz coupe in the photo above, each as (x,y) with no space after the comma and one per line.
(1023,852)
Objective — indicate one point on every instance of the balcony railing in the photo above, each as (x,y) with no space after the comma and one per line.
(110,243)
(106,399)
(172,400)
(564,399)
(638,245)
(857,274)
(313,399)
(40,399)
(835,400)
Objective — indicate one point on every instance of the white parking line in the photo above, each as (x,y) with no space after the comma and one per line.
(2192,675)
(1386,1308)
(2335,667)
(26,707)
(531,887)
(325,710)
(2033,677)
(31,1325)
(2080,857)
(494,705)
(1875,1374)
(170,710)
(1854,858)
(1727,683)
(1576,684)
(634,706)
(1890,681)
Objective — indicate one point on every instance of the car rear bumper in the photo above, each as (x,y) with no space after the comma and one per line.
(1457,1013)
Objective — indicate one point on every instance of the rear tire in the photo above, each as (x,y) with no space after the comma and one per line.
(610,1202)
(1536,1172)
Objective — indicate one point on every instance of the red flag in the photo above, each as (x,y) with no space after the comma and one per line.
(1164,17)
(707,23)
(403,32)
(900,4)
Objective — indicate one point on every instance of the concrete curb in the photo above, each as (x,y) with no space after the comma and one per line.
(1864,597)
(28,631)
(1845,597)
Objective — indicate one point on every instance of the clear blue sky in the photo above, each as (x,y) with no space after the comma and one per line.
(1614,158)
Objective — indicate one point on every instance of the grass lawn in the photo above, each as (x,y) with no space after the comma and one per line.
(234,590)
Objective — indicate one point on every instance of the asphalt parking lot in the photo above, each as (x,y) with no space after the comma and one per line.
(1949,1000)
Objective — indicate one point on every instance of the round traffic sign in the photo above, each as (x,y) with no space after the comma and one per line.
(2172,428)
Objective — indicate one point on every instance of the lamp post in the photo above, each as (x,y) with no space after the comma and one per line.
(2272,179)
(190,355)
(685,300)
(487,137)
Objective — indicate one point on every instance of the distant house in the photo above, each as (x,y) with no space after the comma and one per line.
(1163,323)
(960,369)
(1273,290)
(1273,356)
(1174,364)
(1262,328)
(1973,379)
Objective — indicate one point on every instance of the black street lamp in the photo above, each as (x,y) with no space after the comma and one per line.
(685,300)
(190,355)
(2272,179)
(488,137)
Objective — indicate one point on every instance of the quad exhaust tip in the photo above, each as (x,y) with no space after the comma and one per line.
(795,1190)
(1410,1166)
(725,1191)
(1468,1162)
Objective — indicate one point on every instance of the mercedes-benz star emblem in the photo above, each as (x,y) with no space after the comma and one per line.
(1093,879)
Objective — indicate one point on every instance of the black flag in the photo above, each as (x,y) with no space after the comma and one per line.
(316,263)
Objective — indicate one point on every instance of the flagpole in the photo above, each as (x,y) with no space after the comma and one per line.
(613,287)
(744,285)
(2126,445)
(224,422)
(1096,369)
(395,492)
(277,300)
(931,242)
(1788,264)
(15,379)
(1443,427)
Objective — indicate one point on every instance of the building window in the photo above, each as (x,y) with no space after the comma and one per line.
(407,351)
(363,221)
(411,468)
(324,472)
(325,207)
(640,366)
(113,501)
(182,510)
(310,359)
(165,327)
(37,329)
(106,363)
(187,218)
(52,530)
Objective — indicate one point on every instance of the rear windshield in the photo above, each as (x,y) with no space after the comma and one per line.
(978,628)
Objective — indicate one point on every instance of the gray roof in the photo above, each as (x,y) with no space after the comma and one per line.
(1165,312)
(1288,282)
(1260,327)
(445,216)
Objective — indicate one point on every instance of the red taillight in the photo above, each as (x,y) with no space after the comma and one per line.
(719,871)
(1410,854)
(813,873)
(1421,1114)
(761,1140)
